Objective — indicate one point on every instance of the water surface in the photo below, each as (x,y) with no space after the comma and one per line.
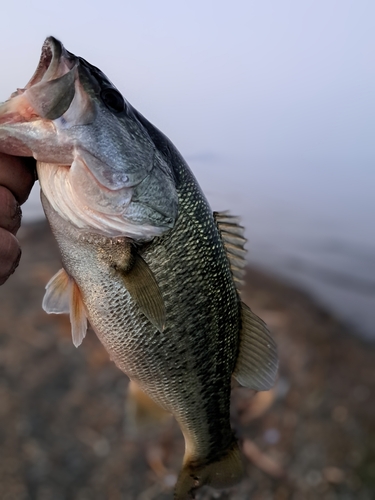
(330,255)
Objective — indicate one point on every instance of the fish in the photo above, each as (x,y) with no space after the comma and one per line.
(145,260)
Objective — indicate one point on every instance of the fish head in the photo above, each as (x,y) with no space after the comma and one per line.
(97,165)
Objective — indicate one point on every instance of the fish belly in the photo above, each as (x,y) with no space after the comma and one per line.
(187,367)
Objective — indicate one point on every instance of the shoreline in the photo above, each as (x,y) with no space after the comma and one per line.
(340,290)
(62,409)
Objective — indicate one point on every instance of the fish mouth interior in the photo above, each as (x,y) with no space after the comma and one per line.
(54,62)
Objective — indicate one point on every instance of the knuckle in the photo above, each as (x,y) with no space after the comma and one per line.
(10,254)
(10,211)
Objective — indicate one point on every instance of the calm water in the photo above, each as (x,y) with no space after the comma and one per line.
(275,100)
(329,254)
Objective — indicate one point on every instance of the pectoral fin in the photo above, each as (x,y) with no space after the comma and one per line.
(63,296)
(142,286)
(257,360)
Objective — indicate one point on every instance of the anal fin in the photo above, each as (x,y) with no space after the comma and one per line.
(257,361)
(142,412)
(63,296)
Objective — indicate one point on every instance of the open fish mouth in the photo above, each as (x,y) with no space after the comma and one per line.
(54,61)
(49,92)
(97,164)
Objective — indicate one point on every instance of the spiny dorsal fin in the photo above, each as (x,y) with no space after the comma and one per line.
(63,296)
(232,234)
(144,290)
(257,360)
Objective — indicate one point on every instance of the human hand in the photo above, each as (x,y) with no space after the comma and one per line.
(17,176)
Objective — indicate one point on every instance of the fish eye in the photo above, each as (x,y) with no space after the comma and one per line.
(113,100)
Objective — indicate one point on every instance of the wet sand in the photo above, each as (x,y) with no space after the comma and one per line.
(63,428)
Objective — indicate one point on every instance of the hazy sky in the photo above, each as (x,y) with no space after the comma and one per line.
(272,101)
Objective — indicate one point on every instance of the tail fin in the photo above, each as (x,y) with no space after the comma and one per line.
(219,474)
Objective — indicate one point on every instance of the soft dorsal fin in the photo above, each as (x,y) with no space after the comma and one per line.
(232,234)
(63,296)
(257,360)
(144,290)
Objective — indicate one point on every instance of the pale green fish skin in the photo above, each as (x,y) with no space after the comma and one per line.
(186,365)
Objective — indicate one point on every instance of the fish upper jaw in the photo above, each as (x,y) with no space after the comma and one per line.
(26,118)
(56,67)
(55,61)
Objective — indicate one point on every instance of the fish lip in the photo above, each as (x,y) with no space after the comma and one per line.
(53,51)
(54,62)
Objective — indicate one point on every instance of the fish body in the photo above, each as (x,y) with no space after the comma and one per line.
(145,260)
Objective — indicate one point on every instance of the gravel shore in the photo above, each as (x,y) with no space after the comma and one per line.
(63,428)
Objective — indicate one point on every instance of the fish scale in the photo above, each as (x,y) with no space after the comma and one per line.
(145,260)
(200,338)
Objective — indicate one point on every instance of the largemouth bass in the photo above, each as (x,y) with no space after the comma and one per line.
(145,260)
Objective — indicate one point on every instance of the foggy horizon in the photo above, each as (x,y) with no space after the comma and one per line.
(272,104)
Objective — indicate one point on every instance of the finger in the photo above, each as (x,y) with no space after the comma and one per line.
(18,175)
(10,254)
(10,211)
